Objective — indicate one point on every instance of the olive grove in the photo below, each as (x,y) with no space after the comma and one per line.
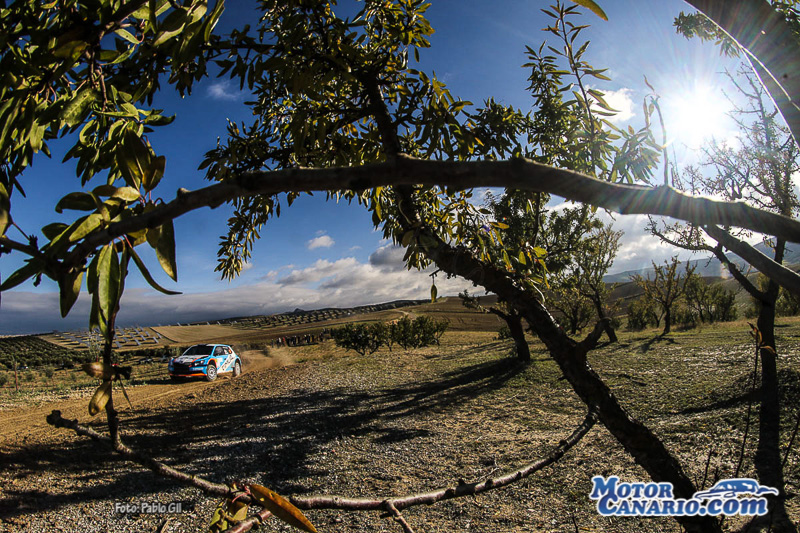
(338,108)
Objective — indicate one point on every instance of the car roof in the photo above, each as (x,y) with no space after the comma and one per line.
(209,344)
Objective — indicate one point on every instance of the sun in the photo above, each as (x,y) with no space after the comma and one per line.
(697,114)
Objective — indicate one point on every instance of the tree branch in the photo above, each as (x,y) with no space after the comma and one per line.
(328,501)
(457,491)
(404,170)
(56,420)
(398,517)
(783,276)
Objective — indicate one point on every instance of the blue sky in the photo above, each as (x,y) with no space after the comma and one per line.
(321,254)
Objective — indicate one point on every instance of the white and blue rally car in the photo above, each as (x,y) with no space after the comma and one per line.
(206,361)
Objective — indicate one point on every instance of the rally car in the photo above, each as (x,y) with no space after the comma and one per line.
(206,361)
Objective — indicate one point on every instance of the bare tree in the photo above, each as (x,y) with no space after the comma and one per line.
(758,171)
(666,288)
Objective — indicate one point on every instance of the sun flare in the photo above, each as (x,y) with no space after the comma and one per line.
(696,115)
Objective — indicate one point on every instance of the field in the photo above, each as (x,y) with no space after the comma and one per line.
(316,419)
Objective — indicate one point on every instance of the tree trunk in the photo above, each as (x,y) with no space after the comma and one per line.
(667,321)
(645,447)
(601,314)
(514,322)
(767,459)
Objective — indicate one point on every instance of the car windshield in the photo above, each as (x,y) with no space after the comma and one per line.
(200,349)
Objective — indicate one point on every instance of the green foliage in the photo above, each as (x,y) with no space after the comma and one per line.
(363,338)
(642,313)
(666,288)
(575,311)
(788,304)
(710,302)
(417,333)
(87,73)
(504,333)
(30,350)
(3,379)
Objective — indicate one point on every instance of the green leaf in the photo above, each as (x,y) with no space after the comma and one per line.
(69,286)
(143,269)
(133,159)
(108,282)
(51,231)
(74,111)
(165,250)
(128,194)
(85,226)
(5,210)
(593,7)
(127,36)
(154,173)
(77,201)
(226,512)
(33,267)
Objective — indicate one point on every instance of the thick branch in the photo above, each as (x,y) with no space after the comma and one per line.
(781,275)
(404,170)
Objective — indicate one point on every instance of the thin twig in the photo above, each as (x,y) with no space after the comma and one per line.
(791,441)
(398,517)
(749,411)
(705,472)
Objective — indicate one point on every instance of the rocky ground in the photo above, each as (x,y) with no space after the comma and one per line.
(316,420)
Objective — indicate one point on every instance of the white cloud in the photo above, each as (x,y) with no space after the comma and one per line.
(621,101)
(323,241)
(346,282)
(224,90)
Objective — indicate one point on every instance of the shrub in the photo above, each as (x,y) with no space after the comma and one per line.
(428,330)
(422,331)
(368,338)
(402,333)
(641,313)
(503,333)
(3,379)
(363,338)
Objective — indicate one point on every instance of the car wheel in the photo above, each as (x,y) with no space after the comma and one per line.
(237,369)
(211,372)
(175,378)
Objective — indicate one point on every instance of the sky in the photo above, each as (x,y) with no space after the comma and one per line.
(323,254)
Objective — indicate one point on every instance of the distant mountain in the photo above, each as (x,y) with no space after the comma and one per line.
(711,266)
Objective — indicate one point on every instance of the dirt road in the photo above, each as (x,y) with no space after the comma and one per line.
(27,424)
